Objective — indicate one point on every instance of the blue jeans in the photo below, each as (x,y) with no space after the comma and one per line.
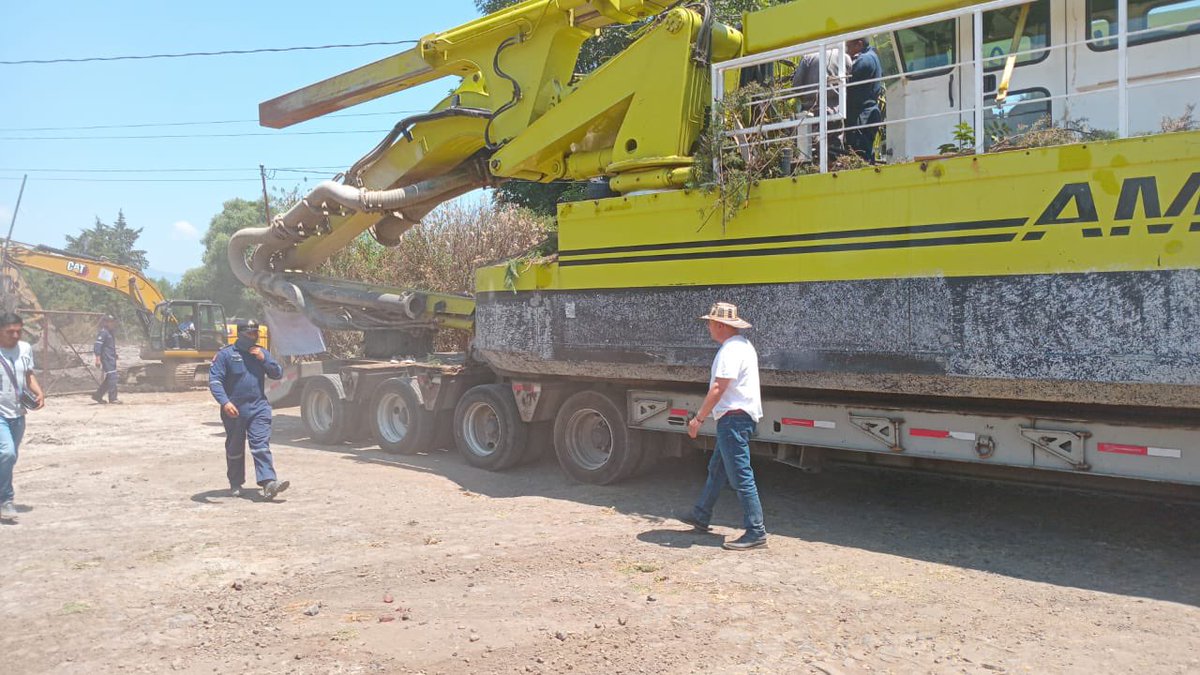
(12,429)
(253,424)
(730,465)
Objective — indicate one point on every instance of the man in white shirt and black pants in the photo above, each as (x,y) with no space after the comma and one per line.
(735,401)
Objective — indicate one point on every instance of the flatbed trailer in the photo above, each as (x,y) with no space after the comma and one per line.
(606,431)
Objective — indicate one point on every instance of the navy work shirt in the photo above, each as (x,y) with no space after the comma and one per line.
(859,97)
(106,348)
(238,376)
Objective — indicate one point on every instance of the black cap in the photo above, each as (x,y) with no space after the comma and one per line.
(250,326)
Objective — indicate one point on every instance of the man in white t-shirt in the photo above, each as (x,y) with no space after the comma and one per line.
(16,377)
(735,401)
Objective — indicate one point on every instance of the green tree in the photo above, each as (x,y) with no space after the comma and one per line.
(116,243)
(214,280)
(543,198)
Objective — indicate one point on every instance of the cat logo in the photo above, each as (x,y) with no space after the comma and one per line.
(77,268)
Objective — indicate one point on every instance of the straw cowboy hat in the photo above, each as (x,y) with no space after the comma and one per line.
(726,313)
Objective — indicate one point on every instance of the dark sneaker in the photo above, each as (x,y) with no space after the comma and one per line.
(98,399)
(235,490)
(8,511)
(274,487)
(116,402)
(746,542)
(690,519)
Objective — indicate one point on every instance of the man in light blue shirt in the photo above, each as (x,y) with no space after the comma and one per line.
(16,357)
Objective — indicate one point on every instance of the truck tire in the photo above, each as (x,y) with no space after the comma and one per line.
(323,409)
(593,443)
(399,422)
(488,429)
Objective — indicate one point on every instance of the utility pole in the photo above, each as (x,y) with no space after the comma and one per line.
(262,172)
(13,223)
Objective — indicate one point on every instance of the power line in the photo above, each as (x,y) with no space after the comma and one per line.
(144,125)
(309,169)
(149,180)
(177,136)
(224,52)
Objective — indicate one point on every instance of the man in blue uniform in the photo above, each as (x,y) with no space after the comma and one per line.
(864,100)
(236,380)
(105,349)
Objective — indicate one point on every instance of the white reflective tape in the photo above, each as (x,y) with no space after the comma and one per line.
(824,425)
(1164,452)
(962,435)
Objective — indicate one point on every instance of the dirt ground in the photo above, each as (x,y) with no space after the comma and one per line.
(130,557)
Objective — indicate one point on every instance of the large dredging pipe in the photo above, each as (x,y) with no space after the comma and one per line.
(253,252)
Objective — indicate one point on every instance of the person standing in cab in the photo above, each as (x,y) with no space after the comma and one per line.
(865,104)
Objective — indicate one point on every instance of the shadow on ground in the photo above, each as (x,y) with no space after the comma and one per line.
(1109,543)
(248,493)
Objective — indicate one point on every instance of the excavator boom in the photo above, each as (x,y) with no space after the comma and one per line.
(127,281)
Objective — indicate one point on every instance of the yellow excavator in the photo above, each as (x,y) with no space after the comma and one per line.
(181,336)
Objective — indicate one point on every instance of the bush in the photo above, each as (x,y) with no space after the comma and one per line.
(441,255)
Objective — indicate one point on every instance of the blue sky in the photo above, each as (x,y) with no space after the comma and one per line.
(172,213)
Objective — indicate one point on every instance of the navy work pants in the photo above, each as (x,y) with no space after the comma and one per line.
(253,424)
(108,386)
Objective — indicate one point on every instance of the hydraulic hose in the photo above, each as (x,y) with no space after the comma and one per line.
(403,127)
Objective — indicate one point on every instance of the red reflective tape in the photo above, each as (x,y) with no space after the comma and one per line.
(929,433)
(679,412)
(1119,449)
(793,422)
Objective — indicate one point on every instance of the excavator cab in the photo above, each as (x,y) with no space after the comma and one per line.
(188,326)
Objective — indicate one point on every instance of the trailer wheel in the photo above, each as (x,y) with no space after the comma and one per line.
(323,409)
(593,443)
(399,422)
(488,429)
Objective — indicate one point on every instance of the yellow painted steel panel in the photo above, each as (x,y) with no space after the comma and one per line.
(1129,205)
(798,22)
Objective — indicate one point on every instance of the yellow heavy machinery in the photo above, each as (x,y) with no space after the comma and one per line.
(1003,287)
(182,336)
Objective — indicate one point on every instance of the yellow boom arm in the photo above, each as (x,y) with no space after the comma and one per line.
(518,112)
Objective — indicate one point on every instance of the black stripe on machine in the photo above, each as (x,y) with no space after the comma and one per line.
(812,236)
(797,250)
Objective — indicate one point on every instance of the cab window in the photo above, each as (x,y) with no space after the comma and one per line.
(927,47)
(1149,21)
(1019,112)
(1000,25)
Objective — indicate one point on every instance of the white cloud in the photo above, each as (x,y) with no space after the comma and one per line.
(182,229)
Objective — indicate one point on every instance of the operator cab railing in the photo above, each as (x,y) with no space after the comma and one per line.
(984,78)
